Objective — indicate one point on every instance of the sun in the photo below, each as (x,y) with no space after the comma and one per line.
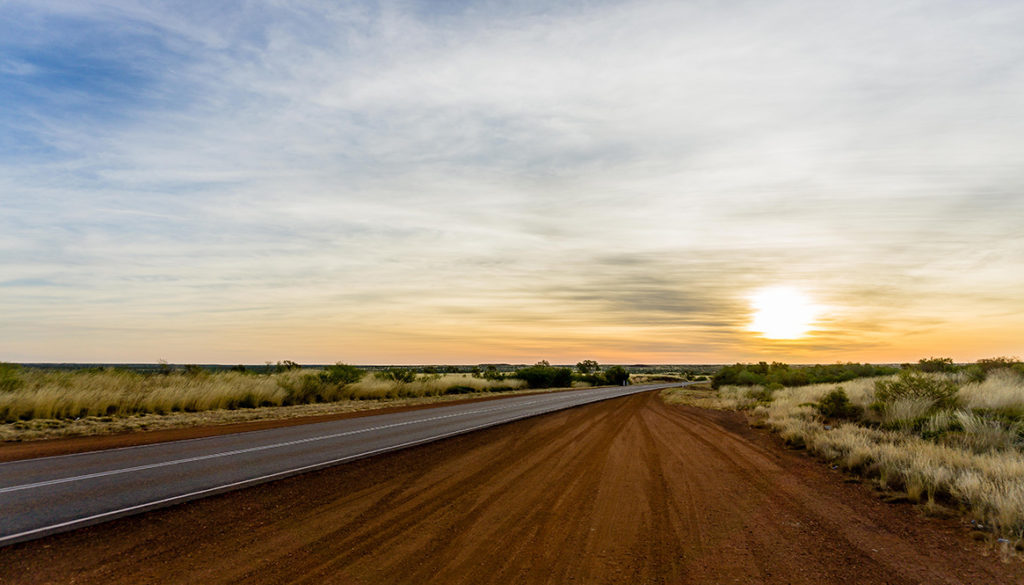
(782,312)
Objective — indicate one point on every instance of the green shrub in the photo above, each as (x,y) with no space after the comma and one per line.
(542,375)
(285,366)
(596,379)
(341,374)
(936,365)
(913,385)
(617,376)
(836,404)
(763,374)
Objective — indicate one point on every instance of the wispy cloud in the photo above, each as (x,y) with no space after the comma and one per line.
(474,182)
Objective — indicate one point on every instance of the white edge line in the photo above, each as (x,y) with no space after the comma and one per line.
(113,514)
(539,394)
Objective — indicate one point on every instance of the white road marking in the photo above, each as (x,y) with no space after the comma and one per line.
(4,540)
(124,470)
(240,451)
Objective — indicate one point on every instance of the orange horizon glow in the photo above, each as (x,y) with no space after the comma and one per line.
(441,183)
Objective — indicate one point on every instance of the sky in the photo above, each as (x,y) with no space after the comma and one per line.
(474,182)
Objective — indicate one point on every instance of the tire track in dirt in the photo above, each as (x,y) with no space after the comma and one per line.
(624,491)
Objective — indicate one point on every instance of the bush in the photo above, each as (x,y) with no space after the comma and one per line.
(341,374)
(286,366)
(309,388)
(936,365)
(400,375)
(596,379)
(836,404)
(914,385)
(763,374)
(617,376)
(543,375)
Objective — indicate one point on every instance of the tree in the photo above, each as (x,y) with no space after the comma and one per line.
(543,375)
(588,366)
(934,364)
(285,366)
(617,375)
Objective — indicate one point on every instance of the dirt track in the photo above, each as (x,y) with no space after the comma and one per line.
(625,491)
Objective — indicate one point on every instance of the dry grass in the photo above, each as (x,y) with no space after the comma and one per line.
(372,387)
(970,454)
(47,403)
(1002,391)
(39,429)
(700,395)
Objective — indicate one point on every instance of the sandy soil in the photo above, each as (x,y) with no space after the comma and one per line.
(624,491)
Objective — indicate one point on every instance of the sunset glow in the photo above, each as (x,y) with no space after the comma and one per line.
(782,313)
(425,182)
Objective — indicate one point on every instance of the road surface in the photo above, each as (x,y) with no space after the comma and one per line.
(629,490)
(53,494)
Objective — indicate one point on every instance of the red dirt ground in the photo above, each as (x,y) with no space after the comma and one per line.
(624,491)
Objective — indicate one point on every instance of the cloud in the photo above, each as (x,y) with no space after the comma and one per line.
(627,169)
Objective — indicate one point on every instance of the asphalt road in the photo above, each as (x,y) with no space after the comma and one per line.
(44,496)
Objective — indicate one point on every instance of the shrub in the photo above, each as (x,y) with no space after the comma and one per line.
(763,373)
(936,365)
(307,389)
(912,385)
(286,366)
(400,375)
(764,394)
(617,375)
(596,379)
(341,374)
(836,404)
(543,375)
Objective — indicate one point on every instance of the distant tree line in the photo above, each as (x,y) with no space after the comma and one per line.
(544,375)
(780,374)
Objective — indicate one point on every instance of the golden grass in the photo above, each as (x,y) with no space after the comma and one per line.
(1002,390)
(372,387)
(180,402)
(108,393)
(39,429)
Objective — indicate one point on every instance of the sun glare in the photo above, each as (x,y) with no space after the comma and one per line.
(782,313)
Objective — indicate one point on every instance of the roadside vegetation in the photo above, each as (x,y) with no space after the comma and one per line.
(41,402)
(29,393)
(945,435)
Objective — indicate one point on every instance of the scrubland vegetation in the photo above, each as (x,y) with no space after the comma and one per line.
(943,434)
(34,394)
(28,393)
